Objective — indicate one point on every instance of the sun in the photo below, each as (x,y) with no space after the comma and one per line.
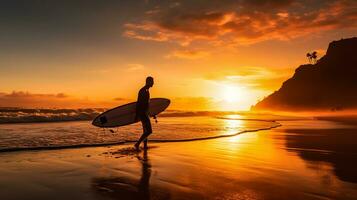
(231,94)
(234,97)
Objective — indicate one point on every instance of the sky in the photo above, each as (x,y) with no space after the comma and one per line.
(203,55)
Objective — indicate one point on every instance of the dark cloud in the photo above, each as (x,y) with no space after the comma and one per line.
(268,3)
(60,100)
(27,99)
(21,94)
(120,99)
(243,21)
(46,26)
(61,95)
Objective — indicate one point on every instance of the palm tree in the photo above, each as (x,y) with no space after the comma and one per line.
(312,56)
(308,55)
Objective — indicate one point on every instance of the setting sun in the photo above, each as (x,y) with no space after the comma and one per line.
(232,93)
(235,97)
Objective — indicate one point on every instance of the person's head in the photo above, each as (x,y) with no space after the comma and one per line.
(149,81)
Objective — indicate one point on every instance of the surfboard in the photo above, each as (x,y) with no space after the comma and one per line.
(125,114)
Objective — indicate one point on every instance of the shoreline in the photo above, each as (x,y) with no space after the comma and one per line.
(270,164)
(44,148)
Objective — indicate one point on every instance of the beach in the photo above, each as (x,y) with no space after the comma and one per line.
(302,159)
(238,100)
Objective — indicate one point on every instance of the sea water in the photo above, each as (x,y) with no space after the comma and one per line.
(62,132)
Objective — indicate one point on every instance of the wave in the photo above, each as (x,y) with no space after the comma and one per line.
(14,149)
(29,115)
(24,115)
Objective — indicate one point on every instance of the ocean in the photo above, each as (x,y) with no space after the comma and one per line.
(298,158)
(25,129)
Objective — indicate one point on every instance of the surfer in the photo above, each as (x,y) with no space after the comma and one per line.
(142,111)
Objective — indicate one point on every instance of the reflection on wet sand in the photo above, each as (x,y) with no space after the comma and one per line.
(261,165)
(335,146)
(126,187)
(304,160)
(144,184)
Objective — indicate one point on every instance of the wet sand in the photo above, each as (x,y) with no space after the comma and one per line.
(300,160)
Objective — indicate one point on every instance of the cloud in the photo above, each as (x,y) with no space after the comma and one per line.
(192,103)
(188,54)
(135,67)
(21,94)
(60,100)
(120,99)
(258,78)
(242,22)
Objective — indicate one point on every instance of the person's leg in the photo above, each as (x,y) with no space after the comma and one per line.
(137,144)
(146,143)
(147,130)
(142,138)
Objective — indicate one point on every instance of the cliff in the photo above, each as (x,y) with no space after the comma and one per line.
(330,84)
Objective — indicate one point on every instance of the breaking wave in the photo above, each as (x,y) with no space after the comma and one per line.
(62,135)
(28,115)
(101,144)
(24,115)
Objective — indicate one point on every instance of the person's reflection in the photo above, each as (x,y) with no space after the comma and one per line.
(125,187)
(144,184)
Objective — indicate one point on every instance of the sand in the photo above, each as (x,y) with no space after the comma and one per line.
(308,159)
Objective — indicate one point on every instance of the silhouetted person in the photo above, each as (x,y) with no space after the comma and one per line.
(142,111)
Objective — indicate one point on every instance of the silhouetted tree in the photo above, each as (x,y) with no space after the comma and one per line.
(312,56)
(308,55)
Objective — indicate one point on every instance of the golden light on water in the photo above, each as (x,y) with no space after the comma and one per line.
(233,116)
(233,125)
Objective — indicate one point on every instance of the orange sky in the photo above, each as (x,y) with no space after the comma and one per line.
(204,55)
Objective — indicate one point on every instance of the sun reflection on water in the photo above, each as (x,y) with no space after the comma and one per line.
(232,125)
(233,116)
